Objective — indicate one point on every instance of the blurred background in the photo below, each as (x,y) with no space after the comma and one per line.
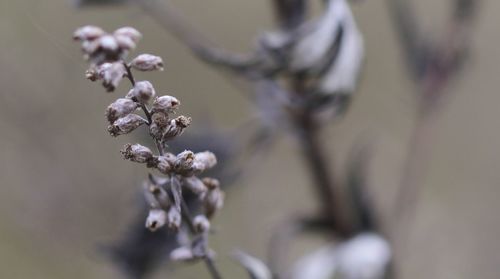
(65,191)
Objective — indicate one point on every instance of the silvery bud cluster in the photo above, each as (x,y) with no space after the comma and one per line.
(147,62)
(99,47)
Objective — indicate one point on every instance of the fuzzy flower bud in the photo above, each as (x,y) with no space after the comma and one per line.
(166,104)
(182,254)
(111,74)
(159,122)
(120,108)
(201,224)
(142,92)
(88,32)
(136,153)
(129,32)
(176,127)
(124,42)
(147,62)
(204,161)
(214,199)
(195,185)
(184,161)
(174,218)
(108,43)
(165,163)
(126,124)
(156,219)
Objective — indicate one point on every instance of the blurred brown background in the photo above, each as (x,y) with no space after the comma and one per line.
(65,190)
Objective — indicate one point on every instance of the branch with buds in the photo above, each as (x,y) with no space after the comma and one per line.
(106,54)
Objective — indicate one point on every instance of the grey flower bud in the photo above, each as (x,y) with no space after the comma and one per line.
(147,62)
(90,47)
(165,163)
(174,218)
(136,153)
(120,108)
(195,185)
(126,124)
(111,74)
(166,104)
(108,43)
(142,92)
(214,199)
(156,196)
(201,224)
(156,219)
(184,162)
(182,254)
(125,42)
(211,183)
(204,161)
(88,32)
(176,127)
(130,32)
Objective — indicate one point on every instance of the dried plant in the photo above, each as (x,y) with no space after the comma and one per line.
(106,54)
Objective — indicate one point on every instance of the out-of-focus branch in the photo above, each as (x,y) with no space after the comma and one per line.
(171,19)
(289,13)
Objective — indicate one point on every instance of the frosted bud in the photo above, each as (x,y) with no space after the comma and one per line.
(201,224)
(214,199)
(136,153)
(88,32)
(111,74)
(176,127)
(203,161)
(120,108)
(159,122)
(108,43)
(184,161)
(125,42)
(166,104)
(129,32)
(126,124)
(194,184)
(165,163)
(182,254)
(156,219)
(147,62)
(142,92)
(173,218)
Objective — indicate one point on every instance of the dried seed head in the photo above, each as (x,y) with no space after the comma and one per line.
(165,163)
(136,153)
(91,74)
(111,74)
(176,127)
(184,162)
(204,161)
(214,200)
(147,62)
(174,218)
(211,183)
(182,254)
(156,219)
(142,92)
(159,122)
(126,124)
(120,108)
(166,104)
(195,185)
(201,224)
(129,32)
(88,33)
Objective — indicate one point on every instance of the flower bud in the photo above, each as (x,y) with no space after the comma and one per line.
(182,254)
(174,218)
(124,42)
(165,104)
(176,127)
(129,32)
(156,219)
(201,224)
(156,196)
(194,184)
(108,43)
(214,199)
(120,108)
(88,32)
(184,161)
(111,74)
(142,92)
(204,161)
(165,163)
(126,124)
(136,153)
(147,62)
